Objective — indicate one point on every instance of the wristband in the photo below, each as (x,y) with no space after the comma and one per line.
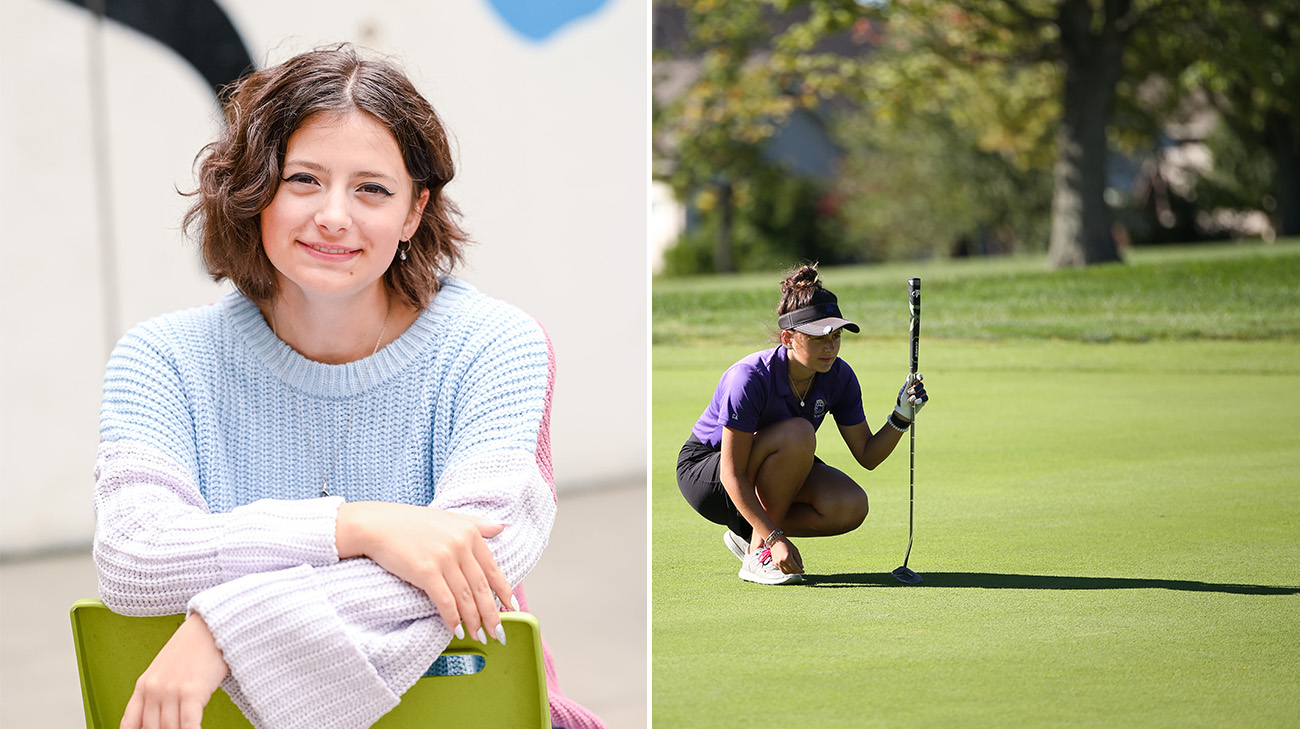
(897,422)
(776,534)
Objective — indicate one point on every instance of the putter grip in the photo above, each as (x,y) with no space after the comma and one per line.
(914,328)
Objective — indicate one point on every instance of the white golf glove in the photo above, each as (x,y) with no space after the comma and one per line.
(912,397)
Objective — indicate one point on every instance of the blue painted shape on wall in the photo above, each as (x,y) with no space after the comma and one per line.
(539,19)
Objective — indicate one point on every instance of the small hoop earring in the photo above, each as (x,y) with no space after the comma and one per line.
(401,250)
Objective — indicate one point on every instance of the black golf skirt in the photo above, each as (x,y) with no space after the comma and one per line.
(698,468)
(698,480)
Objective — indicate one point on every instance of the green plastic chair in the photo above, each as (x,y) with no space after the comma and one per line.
(113,650)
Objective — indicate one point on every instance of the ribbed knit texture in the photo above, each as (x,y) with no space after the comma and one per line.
(207,490)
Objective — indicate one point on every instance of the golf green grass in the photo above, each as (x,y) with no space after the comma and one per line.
(1108,526)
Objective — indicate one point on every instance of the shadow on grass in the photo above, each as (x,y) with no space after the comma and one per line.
(993,581)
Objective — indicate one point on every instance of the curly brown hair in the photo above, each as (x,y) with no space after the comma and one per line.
(240,172)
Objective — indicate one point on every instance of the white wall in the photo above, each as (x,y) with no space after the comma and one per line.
(552,137)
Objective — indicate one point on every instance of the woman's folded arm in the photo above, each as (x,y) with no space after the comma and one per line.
(336,646)
(157,545)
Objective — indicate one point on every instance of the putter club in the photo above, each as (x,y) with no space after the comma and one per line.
(903,574)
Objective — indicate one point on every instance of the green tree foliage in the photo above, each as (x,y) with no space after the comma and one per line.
(935,59)
(1021,77)
(778,220)
(1005,91)
(1242,176)
(1239,57)
(922,186)
(707,140)
(950,154)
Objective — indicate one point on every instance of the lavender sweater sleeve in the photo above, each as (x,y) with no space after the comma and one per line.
(156,543)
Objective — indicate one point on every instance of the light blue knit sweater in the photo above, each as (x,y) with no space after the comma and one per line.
(207,489)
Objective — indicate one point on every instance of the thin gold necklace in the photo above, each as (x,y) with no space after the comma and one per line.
(365,380)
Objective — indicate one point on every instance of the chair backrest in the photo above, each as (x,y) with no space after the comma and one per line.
(113,650)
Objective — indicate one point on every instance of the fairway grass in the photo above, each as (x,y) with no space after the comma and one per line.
(1247,291)
(1107,533)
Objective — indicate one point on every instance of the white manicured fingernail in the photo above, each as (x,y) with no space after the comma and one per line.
(514,603)
(460,631)
(501,634)
(482,637)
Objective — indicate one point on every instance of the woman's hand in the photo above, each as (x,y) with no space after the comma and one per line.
(442,553)
(172,692)
(786,556)
(911,397)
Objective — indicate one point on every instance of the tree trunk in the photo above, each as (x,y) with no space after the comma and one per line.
(1091,59)
(1284,145)
(722,246)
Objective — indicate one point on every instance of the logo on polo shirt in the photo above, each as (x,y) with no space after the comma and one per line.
(819,408)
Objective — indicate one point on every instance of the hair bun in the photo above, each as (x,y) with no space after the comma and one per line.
(805,277)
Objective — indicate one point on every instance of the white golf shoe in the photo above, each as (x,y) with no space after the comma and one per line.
(758,567)
(736,544)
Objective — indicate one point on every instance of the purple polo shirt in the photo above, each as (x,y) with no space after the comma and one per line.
(755,392)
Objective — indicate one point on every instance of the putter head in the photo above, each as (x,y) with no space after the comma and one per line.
(903,574)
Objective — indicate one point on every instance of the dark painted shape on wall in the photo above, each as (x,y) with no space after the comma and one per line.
(199,31)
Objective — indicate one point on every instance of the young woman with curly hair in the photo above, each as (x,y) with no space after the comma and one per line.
(345,461)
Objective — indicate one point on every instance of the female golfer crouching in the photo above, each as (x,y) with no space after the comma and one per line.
(750,464)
